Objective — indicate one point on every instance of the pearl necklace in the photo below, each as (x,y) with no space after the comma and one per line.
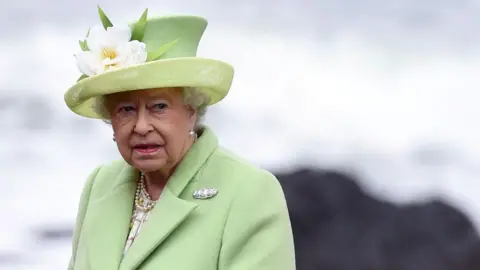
(141,194)
(143,205)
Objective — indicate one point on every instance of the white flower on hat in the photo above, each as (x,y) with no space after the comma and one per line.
(110,48)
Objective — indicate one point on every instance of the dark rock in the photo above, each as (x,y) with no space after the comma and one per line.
(339,226)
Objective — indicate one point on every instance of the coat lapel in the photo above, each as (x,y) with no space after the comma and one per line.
(171,210)
(167,215)
(110,221)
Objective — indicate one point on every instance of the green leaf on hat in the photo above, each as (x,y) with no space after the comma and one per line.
(103,17)
(83,43)
(155,55)
(139,27)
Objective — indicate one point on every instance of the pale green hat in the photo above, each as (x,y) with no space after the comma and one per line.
(152,53)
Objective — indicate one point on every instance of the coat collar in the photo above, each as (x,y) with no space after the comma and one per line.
(112,212)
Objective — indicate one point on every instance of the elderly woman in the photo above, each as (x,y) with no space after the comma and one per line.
(177,200)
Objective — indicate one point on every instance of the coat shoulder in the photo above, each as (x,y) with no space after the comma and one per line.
(115,166)
(108,173)
(230,166)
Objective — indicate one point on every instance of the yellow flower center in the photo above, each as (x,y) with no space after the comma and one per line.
(109,53)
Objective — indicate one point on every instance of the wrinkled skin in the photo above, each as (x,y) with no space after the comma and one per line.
(151,129)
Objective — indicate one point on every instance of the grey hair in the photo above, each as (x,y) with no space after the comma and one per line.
(191,96)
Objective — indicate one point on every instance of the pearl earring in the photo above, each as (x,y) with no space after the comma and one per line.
(114,139)
(194,134)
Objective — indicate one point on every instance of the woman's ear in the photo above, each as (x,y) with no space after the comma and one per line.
(192,114)
(193,111)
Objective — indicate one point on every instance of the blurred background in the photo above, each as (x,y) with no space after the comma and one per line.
(384,90)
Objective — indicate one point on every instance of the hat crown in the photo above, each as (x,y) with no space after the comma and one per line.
(187,30)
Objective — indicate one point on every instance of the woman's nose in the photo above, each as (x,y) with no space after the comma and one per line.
(143,124)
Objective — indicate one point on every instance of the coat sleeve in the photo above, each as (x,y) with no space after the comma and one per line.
(84,197)
(257,233)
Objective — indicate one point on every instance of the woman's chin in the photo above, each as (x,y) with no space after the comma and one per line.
(149,165)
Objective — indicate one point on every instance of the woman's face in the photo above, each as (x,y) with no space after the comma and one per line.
(151,127)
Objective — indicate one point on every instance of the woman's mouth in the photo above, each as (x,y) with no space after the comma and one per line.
(146,148)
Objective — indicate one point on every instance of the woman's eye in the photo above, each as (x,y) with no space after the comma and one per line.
(126,109)
(160,106)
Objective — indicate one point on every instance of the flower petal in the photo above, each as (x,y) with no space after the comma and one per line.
(119,34)
(132,53)
(97,38)
(88,63)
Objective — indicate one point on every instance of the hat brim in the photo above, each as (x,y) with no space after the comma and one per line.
(212,77)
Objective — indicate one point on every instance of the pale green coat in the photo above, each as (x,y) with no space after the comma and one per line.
(244,227)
